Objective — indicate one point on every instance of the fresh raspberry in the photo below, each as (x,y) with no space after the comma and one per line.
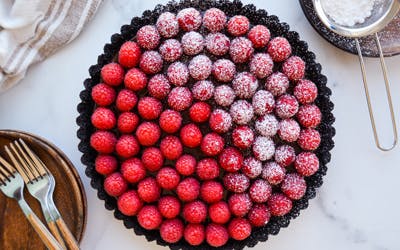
(263,102)
(224,70)
(279,204)
(103,118)
(238,25)
(195,212)
(127,146)
(171,147)
(200,67)
(203,90)
(178,73)
(168,178)
(306,163)
(245,85)
(309,116)
(149,108)
(148,37)
(149,217)
(148,133)
(191,135)
(241,112)
(285,155)
(259,35)
(133,170)
(289,130)
(186,165)
(267,125)
(294,68)
(211,191)
(260,191)
(239,228)
(217,44)
(230,159)
(129,203)
(294,186)
(170,121)
(219,212)
(273,173)
(169,206)
(216,235)
(112,74)
(148,190)
(261,65)
(220,121)
(171,230)
(224,95)
(151,62)
(189,19)
(259,215)
(129,54)
(207,169)
(194,234)
(214,20)
(263,148)
(277,83)
(167,25)
(115,184)
(180,98)
(192,43)
(126,100)
(235,182)
(279,49)
(127,122)
(171,50)
(286,106)
(309,139)
(103,94)
(152,159)
(103,141)
(242,137)
(188,189)
(199,112)
(252,167)
(241,50)
(212,144)
(158,86)
(239,204)
(305,91)
(105,164)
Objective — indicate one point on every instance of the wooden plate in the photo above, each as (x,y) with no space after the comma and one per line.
(69,196)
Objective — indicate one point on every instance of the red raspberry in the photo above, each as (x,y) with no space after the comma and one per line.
(235,182)
(238,25)
(286,106)
(133,170)
(224,95)
(294,68)
(252,167)
(267,125)
(168,178)
(186,165)
(169,207)
(188,189)
(129,203)
(241,112)
(127,122)
(147,37)
(217,44)
(242,137)
(148,190)
(211,191)
(195,212)
(171,147)
(230,159)
(289,130)
(135,79)
(112,74)
(309,139)
(178,73)
(167,25)
(115,184)
(126,100)
(103,118)
(127,146)
(212,144)
(259,215)
(263,102)
(170,121)
(239,204)
(214,20)
(309,116)
(245,85)
(224,70)
(103,94)
(105,164)
(277,83)
(192,43)
(279,204)
(305,91)
(239,228)
(199,112)
(171,50)
(194,234)
(219,212)
(294,186)
(285,155)
(263,148)
(279,49)
(273,173)
(151,62)
(180,98)
(189,19)
(259,35)
(260,191)
(261,65)
(158,86)
(152,159)
(203,90)
(103,141)
(200,67)
(191,135)
(207,169)
(171,230)
(216,235)
(306,163)
(241,50)
(149,108)
(149,217)
(220,121)
(148,133)
(129,54)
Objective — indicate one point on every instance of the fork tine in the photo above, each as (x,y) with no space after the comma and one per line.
(39,165)
(24,172)
(27,160)
(6,170)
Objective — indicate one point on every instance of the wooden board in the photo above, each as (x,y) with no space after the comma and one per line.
(69,196)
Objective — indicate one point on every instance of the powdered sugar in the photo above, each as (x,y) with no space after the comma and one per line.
(203,90)
(224,95)
(263,102)
(267,125)
(252,167)
(192,43)
(178,73)
(200,67)
(224,70)
(263,148)
(241,112)
(245,85)
(217,44)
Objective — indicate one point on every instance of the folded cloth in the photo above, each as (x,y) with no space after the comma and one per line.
(31,30)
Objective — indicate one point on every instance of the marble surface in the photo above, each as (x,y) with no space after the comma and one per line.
(355,209)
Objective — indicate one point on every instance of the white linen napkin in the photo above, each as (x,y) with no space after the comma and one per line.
(31,30)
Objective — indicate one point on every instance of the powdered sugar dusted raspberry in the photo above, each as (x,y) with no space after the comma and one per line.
(214,20)
(178,73)
(279,204)
(259,35)
(263,102)
(147,37)
(260,191)
(305,91)
(285,155)
(224,70)
(171,50)
(309,116)
(224,95)
(192,43)
(273,173)
(289,130)
(212,144)
(203,90)
(294,68)
(294,186)
(151,62)
(240,204)
(263,148)
(261,65)
(309,139)
(306,163)
(167,25)
(180,98)
(200,67)
(242,137)
(220,121)
(158,86)
(189,19)
(259,215)
(267,125)
(238,25)
(241,112)
(286,106)
(217,43)
(277,83)
(245,85)
(236,182)
(241,50)
(252,167)
(279,49)
(230,159)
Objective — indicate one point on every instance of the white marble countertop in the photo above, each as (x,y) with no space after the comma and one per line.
(355,209)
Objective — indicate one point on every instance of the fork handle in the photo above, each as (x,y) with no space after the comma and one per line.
(54,230)
(68,236)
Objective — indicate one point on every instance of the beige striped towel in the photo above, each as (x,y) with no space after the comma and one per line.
(31,30)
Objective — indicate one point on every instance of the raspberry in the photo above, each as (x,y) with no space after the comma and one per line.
(235,182)
(241,112)
(230,159)
(241,50)
(207,169)
(133,170)
(239,204)
(189,19)
(309,139)
(103,118)
(158,86)
(273,173)
(219,212)
(168,178)
(224,70)
(224,95)
(216,235)
(186,165)
(112,74)
(212,144)
(238,25)
(199,112)
(214,20)
(286,106)
(172,230)
(263,148)
(294,186)
(103,141)
(188,189)
(260,191)
(149,108)
(217,44)
(171,147)
(192,43)
(252,167)
(178,73)
(147,37)
(294,68)
(285,155)
(309,116)
(245,85)
(129,54)
(148,133)
(200,67)
(203,90)
(170,121)
(279,49)
(242,137)
(149,217)
(115,184)
(289,130)
(169,206)
(263,102)
(211,191)
(267,125)
(103,94)
(191,135)
(171,50)
(195,212)
(105,164)
(126,100)
(151,62)
(277,83)
(194,234)
(127,146)
(129,203)
(259,215)
(220,121)
(305,91)
(152,159)
(127,122)
(167,25)
(180,98)
(279,204)
(261,65)
(259,35)
(148,190)
(239,228)
(306,163)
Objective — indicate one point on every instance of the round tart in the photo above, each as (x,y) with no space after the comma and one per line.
(206,124)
